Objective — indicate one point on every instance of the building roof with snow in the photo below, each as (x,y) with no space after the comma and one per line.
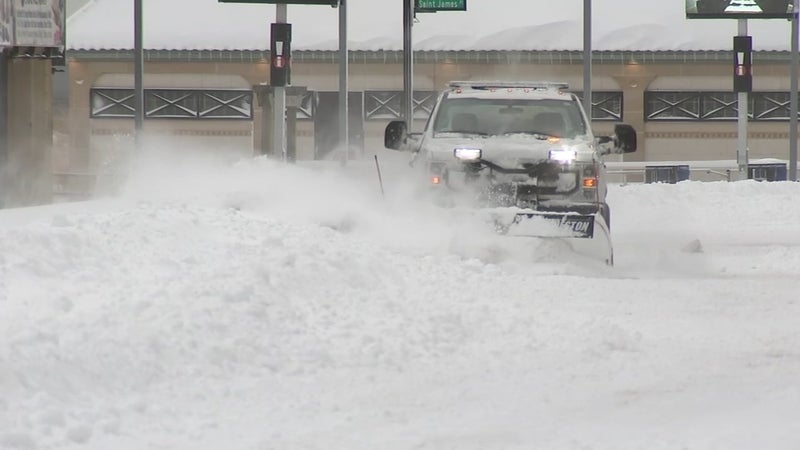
(376,25)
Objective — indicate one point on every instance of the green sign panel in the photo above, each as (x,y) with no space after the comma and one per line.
(440,5)
(286,2)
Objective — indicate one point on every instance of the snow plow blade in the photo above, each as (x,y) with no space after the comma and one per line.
(552,225)
(587,234)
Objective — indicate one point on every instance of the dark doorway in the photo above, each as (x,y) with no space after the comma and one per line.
(326,124)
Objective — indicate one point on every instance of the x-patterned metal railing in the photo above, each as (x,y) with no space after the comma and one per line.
(174,103)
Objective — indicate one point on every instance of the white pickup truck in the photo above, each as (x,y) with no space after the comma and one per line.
(522,151)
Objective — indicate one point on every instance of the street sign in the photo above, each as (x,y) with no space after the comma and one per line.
(739,9)
(440,5)
(285,2)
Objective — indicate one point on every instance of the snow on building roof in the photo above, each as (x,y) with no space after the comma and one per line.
(618,25)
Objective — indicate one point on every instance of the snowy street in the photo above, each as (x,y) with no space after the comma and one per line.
(260,306)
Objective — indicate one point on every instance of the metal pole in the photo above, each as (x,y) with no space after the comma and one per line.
(408,64)
(138,73)
(380,178)
(266,122)
(587,57)
(4,150)
(3,110)
(279,105)
(741,146)
(291,134)
(344,134)
(793,96)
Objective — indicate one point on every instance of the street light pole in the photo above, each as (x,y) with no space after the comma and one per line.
(3,110)
(279,103)
(587,57)
(138,75)
(793,95)
(3,125)
(408,64)
(742,158)
(344,134)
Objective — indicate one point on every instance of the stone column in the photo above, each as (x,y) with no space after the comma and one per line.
(256,75)
(262,126)
(29,179)
(81,80)
(633,88)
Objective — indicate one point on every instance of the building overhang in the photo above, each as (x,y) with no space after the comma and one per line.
(565,57)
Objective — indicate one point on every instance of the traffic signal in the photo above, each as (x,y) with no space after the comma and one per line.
(742,64)
(280,54)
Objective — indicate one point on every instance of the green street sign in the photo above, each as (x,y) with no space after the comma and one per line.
(440,5)
(286,2)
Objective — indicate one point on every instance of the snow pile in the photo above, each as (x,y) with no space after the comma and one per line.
(259,306)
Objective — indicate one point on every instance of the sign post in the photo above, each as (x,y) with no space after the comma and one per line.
(280,68)
(3,122)
(587,58)
(138,74)
(344,110)
(793,96)
(6,40)
(743,83)
(408,64)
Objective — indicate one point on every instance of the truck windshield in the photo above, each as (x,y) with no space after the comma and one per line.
(494,117)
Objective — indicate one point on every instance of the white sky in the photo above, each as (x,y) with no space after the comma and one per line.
(257,306)
(377,24)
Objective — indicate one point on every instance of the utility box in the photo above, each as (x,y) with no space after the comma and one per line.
(666,174)
(767,172)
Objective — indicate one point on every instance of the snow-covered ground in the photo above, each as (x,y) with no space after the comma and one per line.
(260,306)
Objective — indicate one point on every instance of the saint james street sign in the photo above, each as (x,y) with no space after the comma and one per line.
(440,5)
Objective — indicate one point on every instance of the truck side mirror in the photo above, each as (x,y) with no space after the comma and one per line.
(625,138)
(395,135)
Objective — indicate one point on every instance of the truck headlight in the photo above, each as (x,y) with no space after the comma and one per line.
(467,154)
(563,156)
